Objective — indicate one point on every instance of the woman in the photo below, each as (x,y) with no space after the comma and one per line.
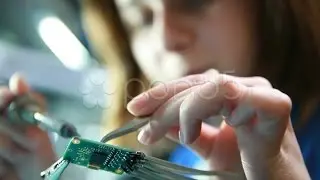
(276,40)
(267,38)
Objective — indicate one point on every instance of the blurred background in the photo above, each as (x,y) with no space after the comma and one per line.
(44,41)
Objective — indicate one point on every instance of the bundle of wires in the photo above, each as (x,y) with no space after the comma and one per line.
(153,168)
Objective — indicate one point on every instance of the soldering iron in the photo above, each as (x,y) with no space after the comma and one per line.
(25,110)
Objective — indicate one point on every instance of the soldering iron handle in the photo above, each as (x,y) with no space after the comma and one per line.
(20,110)
(25,110)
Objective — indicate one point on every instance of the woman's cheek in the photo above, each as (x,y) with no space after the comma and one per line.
(143,53)
(155,62)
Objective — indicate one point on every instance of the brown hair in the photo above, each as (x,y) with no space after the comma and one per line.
(290,49)
(110,43)
(289,32)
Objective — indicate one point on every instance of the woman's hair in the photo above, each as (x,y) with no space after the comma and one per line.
(289,51)
(110,42)
(289,57)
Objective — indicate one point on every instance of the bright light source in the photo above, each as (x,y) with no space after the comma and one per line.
(63,43)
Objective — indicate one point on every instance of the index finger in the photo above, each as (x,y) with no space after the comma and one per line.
(151,100)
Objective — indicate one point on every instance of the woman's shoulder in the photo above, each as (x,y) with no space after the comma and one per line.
(308,137)
(309,125)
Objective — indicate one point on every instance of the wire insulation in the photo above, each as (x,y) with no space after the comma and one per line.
(186,170)
(153,167)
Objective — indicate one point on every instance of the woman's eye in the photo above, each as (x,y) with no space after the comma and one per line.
(147,16)
(193,5)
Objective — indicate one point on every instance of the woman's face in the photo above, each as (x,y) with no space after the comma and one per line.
(173,38)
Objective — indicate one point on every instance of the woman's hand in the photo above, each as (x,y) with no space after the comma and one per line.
(257,138)
(24,151)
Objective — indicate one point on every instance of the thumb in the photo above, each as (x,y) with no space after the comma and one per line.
(203,145)
(18,85)
(216,145)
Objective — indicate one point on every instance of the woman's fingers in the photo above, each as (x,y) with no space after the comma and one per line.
(7,171)
(208,100)
(204,102)
(18,85)
(165,117)
(12,139)
(248,103)
(189,107)
(260,121)
(217,145)
(26,149)
(3,168)
(16,136)
(13,145)
(10,151)
(151,100)
(204,143)
(261,137)
(5,96)
(252,81)
(271,107)
(258,114)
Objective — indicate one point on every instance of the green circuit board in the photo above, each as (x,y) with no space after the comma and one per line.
(98,156)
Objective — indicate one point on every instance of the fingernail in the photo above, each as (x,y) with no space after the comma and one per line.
(141,97)
(144,137)
(137,104)
(17,84)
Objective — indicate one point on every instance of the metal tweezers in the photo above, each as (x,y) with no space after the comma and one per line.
(130,127)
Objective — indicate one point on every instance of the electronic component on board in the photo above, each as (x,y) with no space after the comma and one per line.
(100,156)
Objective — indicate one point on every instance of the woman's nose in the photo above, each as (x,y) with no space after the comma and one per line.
(178,37)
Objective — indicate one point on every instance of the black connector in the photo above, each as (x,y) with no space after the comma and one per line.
(68,131)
